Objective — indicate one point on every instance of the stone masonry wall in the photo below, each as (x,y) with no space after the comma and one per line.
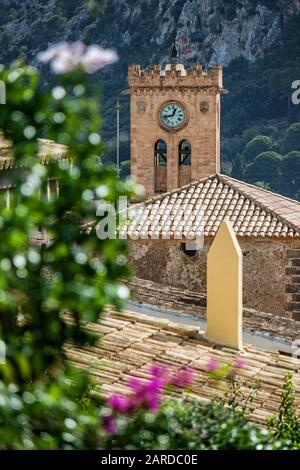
(199,94)
(293,280)
(271,270)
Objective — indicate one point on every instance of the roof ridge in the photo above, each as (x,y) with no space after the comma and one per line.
(227,180)
(261,189)
(281,211)
(177,190)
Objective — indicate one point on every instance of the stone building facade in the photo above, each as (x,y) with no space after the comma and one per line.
(267,226)
(271,270)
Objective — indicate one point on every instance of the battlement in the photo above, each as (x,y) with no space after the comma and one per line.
(175,75)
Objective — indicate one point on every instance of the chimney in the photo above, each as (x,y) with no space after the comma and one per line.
(225,289)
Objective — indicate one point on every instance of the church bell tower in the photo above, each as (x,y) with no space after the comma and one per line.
(175,123)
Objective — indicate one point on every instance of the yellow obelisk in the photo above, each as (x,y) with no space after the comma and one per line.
(225,289)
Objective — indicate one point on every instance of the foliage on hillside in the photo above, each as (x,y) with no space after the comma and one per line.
(259,104)
(259,100)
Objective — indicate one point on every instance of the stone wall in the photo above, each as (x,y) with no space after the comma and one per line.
(271,270)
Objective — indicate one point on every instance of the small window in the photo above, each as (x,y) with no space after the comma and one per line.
(161,155)
(185,153)
(188,249)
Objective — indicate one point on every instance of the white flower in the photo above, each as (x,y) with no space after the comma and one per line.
(65,57)
(96,58)
(122,292)
(51,52)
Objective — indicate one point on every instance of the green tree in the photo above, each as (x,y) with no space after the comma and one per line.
(292,138)
(230,147)
(258,145)
(265,168)
(290,174)
(125,169)
(46,295)
(262,185)
(238,167)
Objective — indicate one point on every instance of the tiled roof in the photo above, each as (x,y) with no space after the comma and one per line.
(129,342)
(47,150)
(194,303)
(254,212)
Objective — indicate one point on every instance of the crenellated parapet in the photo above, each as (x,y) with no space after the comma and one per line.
(175,76)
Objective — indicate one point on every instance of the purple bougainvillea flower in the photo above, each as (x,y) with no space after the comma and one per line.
(146,394)
(160,372)
(138,389)
(153,404)
(212,366)
(120,403)
(136,385)
(183,378)
(152,388)
(152,394)
(239,363)
(109,424)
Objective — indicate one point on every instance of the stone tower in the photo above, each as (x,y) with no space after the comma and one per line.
(175,124)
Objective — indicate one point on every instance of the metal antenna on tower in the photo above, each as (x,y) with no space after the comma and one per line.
(117,107)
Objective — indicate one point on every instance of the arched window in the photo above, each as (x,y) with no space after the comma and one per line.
(161,156)
(185,153)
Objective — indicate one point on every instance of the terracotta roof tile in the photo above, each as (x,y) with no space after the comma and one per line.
(136,340)
(253,211)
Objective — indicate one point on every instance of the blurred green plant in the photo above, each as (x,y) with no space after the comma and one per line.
(77,274)
(286,424)
(49,414)
(195,425)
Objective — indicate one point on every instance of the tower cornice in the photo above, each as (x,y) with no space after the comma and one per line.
(175,75)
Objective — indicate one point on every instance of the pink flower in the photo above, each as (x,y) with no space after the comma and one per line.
(51,52)
(160,372)
(136,385)
(212,366)
(152,394)
(66,57)
(109,424)
(96,58)
(120,403)
(183,378)
(153,403)
(239,363)
(146,393)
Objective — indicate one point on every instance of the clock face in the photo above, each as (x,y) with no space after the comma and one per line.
(172,115)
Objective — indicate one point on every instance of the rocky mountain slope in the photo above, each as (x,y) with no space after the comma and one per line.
(258,42)
(208,31)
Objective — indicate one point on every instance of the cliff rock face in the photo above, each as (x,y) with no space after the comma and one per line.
(208,31)
(227,32)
